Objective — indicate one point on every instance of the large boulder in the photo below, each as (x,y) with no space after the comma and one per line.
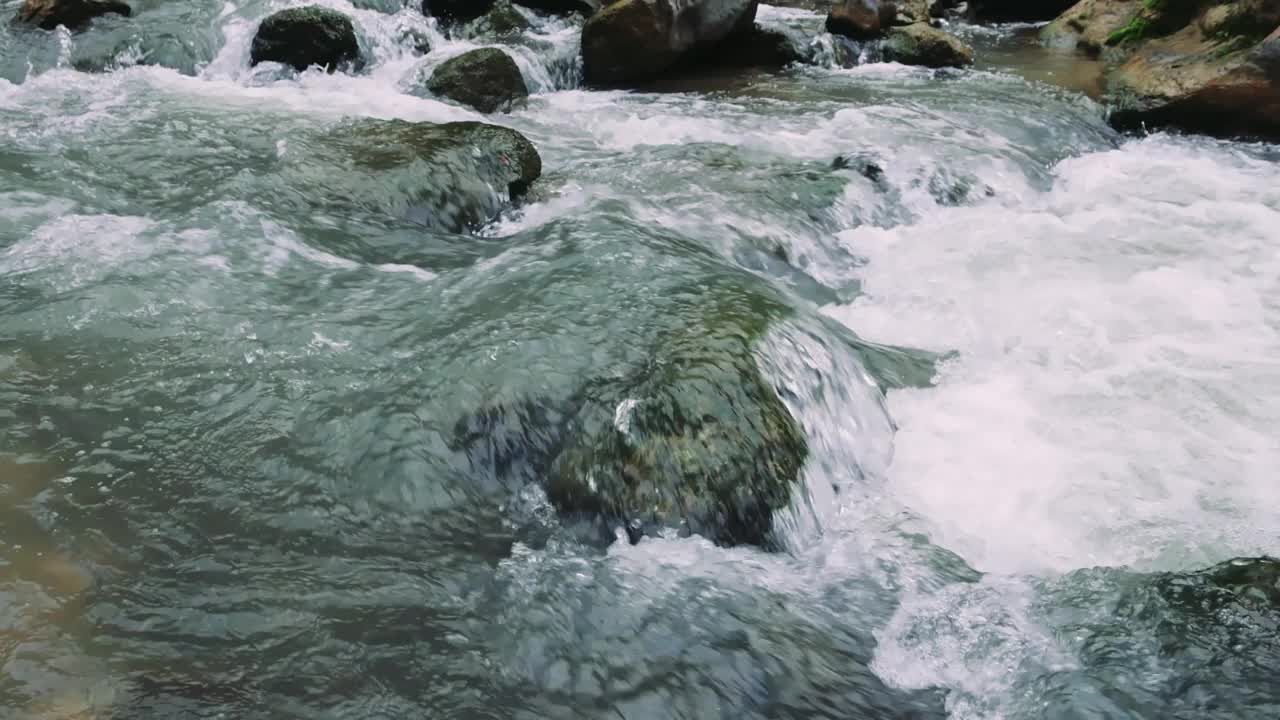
(638,39)
(451,177)
(1016,10)
(486,79)
(307,36)
(759,48)
(73,14)
(1088,24)
(921,44)
(698,442)
(1200,65)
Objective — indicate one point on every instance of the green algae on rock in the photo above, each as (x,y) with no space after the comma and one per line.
(697,441)
(921,44)
(1198,65)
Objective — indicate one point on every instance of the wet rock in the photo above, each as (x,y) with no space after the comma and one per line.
(861,19)
(921,44)
(698,442)
(73,14)
(486,79)
(1197,65)
(759,48)
(637,39)
(867,168)
(502,20)
(1088,24)
(563,7)
(1000,11)
(454,11)
(1208,642)
(452,177)
(307,36)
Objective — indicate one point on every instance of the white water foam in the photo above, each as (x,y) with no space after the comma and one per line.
(1117,389)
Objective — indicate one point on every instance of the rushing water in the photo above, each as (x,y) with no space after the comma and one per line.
(226,483)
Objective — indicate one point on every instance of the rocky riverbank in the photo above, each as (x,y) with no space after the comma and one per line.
(1204,66)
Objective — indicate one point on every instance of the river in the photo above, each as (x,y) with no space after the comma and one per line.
(228,489)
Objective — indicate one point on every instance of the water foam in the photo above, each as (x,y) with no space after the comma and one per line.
(1113,402)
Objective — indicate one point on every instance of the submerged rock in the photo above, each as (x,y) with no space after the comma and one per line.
(637,39)
(1198,65)
(686,436)
(1207,642)
(699,441)
(452,177)
(73,14)
(486,79)
(307,36)
(511,442)
(921,44)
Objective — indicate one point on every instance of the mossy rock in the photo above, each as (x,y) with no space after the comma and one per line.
(502,20)
(307,36)
(697,442)
(452,177)
(486,79)
(921,44)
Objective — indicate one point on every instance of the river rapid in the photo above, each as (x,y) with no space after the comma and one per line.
(1037,361)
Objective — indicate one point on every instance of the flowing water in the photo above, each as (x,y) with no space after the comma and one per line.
(1036,361)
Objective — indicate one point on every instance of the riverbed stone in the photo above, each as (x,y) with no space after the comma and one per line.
(634,40)
(921,44)
(486,79)
(73,14)
(307,36)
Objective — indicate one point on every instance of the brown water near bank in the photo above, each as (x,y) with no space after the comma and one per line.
(1023,54)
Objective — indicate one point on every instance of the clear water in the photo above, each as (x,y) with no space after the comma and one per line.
(227,486)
